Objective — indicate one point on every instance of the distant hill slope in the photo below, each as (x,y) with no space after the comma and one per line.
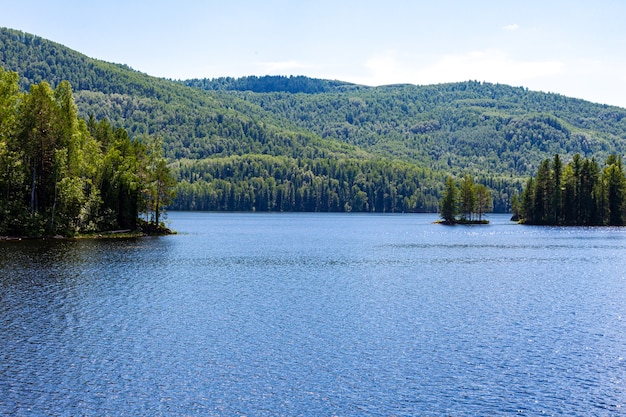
(288,128)
(194,124)
(457,127)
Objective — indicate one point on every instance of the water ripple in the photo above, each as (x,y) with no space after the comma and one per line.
(299,315)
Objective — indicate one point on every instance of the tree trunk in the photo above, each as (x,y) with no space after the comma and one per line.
(32,190)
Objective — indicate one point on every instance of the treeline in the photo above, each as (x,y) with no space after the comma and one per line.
(579,193)
(276,183)
(270,83)
(62,175)
(270,183)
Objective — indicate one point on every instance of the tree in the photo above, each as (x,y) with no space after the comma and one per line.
(11,170)
(122,183)
(557,203)
(37,135)
(544,195)
(160,182)
(467,197)
(589,177)
(164,184)
(449,202)
(484,201)
(516,207)
(615,186)
(526,202)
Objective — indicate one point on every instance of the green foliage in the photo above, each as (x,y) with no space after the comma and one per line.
(462,127)
(270,84)
(449,202)
(469,199)
(483,200)
(496,133)
(56,176)
(278,183)
(579,194)
(159,189)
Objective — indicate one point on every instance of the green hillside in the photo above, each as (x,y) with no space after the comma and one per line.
(457,127)
(302,144)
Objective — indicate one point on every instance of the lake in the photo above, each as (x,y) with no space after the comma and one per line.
(251,314)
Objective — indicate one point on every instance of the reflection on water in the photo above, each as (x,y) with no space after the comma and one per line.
(316,314)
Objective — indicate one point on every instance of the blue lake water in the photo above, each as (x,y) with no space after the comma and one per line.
(317,315)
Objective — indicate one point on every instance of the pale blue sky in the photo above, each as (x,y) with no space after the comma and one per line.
(575,48)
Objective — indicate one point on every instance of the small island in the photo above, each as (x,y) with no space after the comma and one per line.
(62,176)
(465,203)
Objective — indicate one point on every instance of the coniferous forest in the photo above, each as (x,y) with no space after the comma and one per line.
(580,192)
(276,143)
(62,175)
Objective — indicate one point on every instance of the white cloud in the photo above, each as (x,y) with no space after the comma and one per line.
(493,66)
(489,65)
(511,27)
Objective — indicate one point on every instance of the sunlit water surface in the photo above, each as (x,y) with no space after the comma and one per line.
(316,315)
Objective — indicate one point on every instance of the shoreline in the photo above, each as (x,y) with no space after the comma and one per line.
(462,222)
(113,234)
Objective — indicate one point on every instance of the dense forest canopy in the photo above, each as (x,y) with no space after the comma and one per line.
(296,143)
(62,175)
(580,192)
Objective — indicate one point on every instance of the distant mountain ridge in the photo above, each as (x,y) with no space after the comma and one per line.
(272,84)
(282,128)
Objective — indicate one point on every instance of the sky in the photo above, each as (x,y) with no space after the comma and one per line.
(574,48)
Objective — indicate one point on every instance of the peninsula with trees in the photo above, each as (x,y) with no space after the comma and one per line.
(61,175)
(579,193)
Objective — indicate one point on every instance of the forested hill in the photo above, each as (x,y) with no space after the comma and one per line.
(459,127)
(296,143)
(194,124)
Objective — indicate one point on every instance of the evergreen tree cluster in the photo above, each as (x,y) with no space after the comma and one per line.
(62,175)
(466,202)
(579,193)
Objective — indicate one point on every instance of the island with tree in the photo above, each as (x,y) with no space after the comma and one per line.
(64,176)
(465,203)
